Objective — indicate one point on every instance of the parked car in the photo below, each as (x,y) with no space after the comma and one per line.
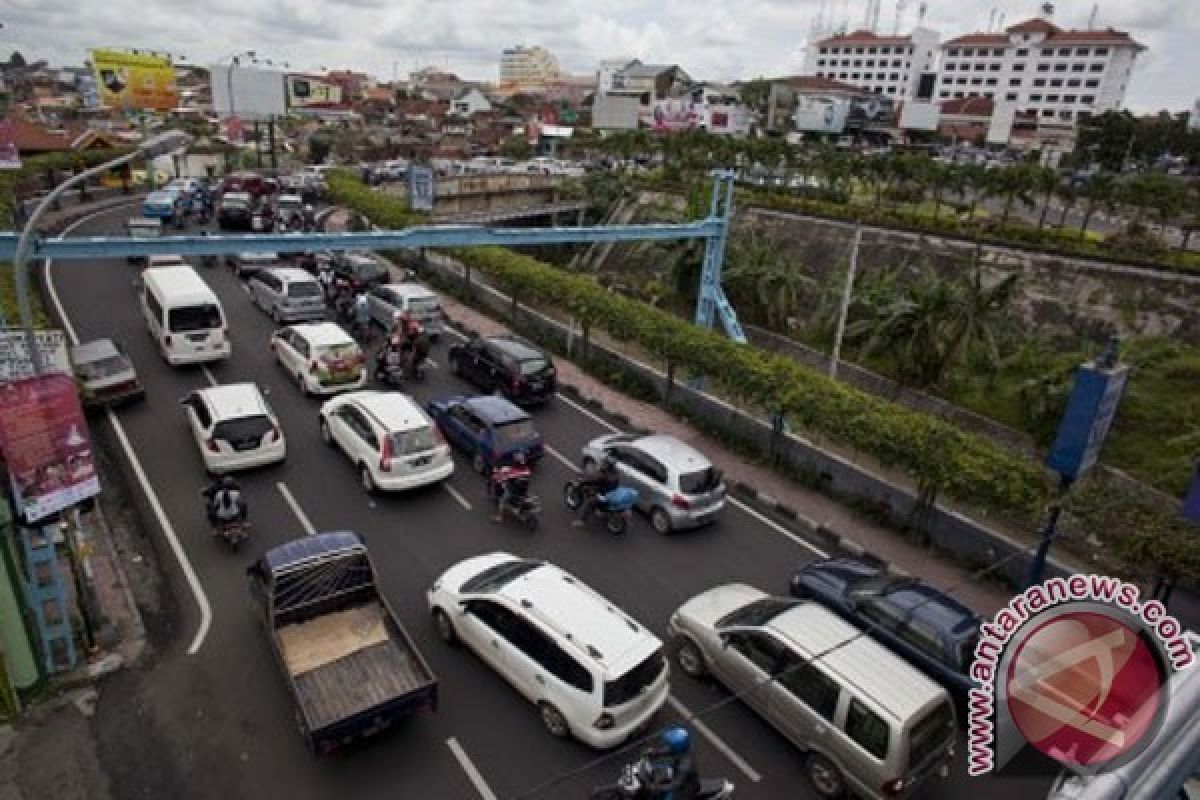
(519,370)
(287,293)
(388,301)
(869,724)
(592,671)
(362,270)
(234,427)
(105,374)
(931,629)
(392,443)
(236,212)
(247,265)
(678,487)
(490,429)
(323,358)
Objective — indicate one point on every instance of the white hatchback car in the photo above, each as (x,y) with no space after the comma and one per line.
(322,357)
(393,443)
(591,670)
(234,427)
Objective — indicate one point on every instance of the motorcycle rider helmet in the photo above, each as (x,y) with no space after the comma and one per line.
(676,740)
(394,341)
(608,463)
(227,482)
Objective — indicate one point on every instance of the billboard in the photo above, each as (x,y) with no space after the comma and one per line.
(15,363)
(304,90)
(817,114)
(420,188)
(134,80)
(44,439)
(1091,409)
(247,92)
(916,116)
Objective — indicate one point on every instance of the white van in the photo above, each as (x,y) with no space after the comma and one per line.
(184,316)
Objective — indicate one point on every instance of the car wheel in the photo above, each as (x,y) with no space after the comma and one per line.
(661,521)
(689,658)
(479,464)
(368,482)
(572,495)
(326,435)
(825,777)
(554,721)
(444,627)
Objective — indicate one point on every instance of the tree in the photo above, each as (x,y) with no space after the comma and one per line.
(1068,193)
(16,60)
(319,145)
(757,272)
(516,147)
(755,93)
(1046,182)
(1099,191)
(1012,184)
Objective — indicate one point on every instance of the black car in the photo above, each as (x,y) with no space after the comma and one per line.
(362,270)
(239,211)
(929,628)
(518,370)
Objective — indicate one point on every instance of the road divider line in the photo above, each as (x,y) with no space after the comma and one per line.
(160,514)
(770,523)
(208,376)
(468,767)
(566,461)
(457,495)
(714,740)
(305,522)
(587,413)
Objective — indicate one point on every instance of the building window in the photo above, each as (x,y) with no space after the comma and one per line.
(825,50)
(1077,68)
(1069,98)
(1039,82)
(942,95)
(1060,67)
(892,90)
(1064,115)
(871,50)
(1011,97)
(1047,53)
(1064,51)
(1018,67)
(820,62)
(820,74)
(961,81)
(1035,98)
(858,50)
(952,52)
(878,90)
(994,67)
(858,62)
(1073,83)
(870,62)
(857,76)
(998,52)
(908,65)
(896,63)
(1083,115)
(895,76)
(958,95)
(1014,81)
(843,75)
(1057,82)
(1101,51)
(1092,84)
(1051,98)
(980,67)
(1096,68)
(1081,51)
(1088,99)
(1043,67)
(977,81)
(909,50)
(885,50)
(990,82)
(1047,112)
(968,52)
(1022,52)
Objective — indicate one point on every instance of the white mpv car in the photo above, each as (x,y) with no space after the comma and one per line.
(592,671)
(322,357)
(234,427)
(393,444)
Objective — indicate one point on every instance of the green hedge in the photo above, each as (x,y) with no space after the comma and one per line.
(932,452)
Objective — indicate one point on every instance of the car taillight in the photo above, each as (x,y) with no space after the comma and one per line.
(516,384)
(438,437)
(894,788)
(275,433)
(604,721)
(211,444)
(385,455)
(679,501)
(313,367)
(167,340)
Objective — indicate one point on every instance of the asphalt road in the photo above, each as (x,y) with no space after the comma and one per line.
(218,722)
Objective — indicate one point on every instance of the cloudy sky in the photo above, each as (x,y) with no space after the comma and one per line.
(714,39)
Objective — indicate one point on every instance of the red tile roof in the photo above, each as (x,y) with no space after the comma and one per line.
(969,107)
(977,38)
(1034,25)
(1054,35)
(31,137)
(815,83)
(864,37)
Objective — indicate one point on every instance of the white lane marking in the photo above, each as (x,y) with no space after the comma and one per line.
(473,775)
(587,413)
(566,461)
(305,522)
(457,495)
(775,526)
(714,740)
(456,332)
(208,376)
(185,566)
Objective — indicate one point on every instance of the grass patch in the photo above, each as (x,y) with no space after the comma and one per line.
(8,300)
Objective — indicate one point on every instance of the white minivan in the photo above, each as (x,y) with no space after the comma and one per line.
(184,316)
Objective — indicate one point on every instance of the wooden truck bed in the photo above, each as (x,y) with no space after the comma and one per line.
(348,662)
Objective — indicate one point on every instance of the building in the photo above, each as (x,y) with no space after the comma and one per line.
(528,68)
(811,104)
(892,66)
(626,96)
(353,84)
(469,101)
(1054,73)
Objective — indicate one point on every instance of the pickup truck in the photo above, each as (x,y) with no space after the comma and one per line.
(351,668)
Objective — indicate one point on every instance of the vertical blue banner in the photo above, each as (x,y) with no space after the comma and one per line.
(1086,422)
(420,188)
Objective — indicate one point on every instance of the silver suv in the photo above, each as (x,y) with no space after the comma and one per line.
(677,485)
(287,294)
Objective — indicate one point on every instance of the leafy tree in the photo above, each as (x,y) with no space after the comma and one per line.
(1011,184)
(516,147)
(319,145)
(16,60)
(755,93)
(758,273)
(1045,182)
(1099,191)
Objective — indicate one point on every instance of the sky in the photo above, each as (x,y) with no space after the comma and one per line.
(720,40)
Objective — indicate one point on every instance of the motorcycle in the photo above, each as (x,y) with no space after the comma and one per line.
(389,372)
(526,509)
(614,508)
(630,787)
(233,531)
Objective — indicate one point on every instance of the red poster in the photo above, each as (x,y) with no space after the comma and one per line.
(44,439)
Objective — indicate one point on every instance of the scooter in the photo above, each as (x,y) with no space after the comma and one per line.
(527,510)
(614,508)
(389,372)
(233,531)
(629,786)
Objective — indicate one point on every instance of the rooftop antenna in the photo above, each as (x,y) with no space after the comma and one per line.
(901,5)
(922,10)
(1000,21)
(1092,18)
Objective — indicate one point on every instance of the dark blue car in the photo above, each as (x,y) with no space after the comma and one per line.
(929,628)
(492,430)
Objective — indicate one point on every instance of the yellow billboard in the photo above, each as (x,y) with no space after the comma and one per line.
(135,80)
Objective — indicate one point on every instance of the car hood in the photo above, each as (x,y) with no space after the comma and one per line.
(706,608)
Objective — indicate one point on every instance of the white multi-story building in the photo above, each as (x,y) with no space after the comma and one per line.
(887,65)
(1041,68)
(528,67)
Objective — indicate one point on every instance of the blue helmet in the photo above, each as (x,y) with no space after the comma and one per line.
(677,740)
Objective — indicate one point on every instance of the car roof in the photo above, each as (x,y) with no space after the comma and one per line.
(291,198)
(94,350)
(927,604)
(291,274)
(258,256)
(515,347)
(395,411)
(896,687)
(410,289)
(234,400)
(323,333)
(673,452)
(495,409)
(306,548)
(162,194)
(181,282)
(605,634)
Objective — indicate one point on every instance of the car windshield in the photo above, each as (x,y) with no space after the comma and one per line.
(930,734)
(706,480)
(534,366)
(304,289)
(194,318)
(367,268)
(234,430)
(103,367)
(235,204)
(633,683)
(424,305)
(760,612)
(406,443)
(514,433)
(499,576)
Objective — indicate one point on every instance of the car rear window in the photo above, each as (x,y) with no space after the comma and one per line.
(420,440)
(499,576)
(634,682)
(533,366)
(193,318)
(930,734)
(232,430)
(304,289)
(706,480)
(514,433)
(424,305)
(103,368)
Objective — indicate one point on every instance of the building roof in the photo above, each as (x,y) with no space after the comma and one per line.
(969,106)
(864,37)
(816,83)
(1034,25)
(639,70)
(977,38)
(31,137)
(1053,34)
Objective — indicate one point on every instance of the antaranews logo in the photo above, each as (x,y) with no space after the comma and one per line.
(1076,667)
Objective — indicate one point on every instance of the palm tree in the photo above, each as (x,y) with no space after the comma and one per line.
(1046,182)
(937,178)
(1011,183)
(1136,192)
(876,172)
(759,274)
(975,181)
(1099,191)
(1068,195)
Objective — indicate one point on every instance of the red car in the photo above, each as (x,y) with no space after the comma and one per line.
(251,183)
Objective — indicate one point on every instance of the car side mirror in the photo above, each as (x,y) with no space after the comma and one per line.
(463,607)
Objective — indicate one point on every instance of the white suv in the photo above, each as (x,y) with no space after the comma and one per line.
(322,357)
(392,442)
(592,671)
(234,427)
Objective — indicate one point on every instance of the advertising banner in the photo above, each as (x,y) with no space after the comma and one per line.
(135,80)
(43,436)
(1091,409)
(420,188)
(247,92)
(305,91)
(10,158)
(14,354)
(816,114)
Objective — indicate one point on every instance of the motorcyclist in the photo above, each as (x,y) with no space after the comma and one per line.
(668,769)
(596,484)
(309,218)
(326,278)
(416,342)
(224,503)
(509,485)
(362,314)
(391,357)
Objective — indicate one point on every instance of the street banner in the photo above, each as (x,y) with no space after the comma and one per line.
(43,437)
(420,188)
(10,157)
(14,354)
(1091,409)
(1191,501)
(135,80)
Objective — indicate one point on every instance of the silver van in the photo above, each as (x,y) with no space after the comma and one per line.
(287,294)
(869,723)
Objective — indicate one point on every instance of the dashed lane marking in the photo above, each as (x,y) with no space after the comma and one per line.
(303,519)
(468,767)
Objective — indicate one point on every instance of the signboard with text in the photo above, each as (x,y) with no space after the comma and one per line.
(14,354)
(420,188)
(1089,415)
(135,80)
